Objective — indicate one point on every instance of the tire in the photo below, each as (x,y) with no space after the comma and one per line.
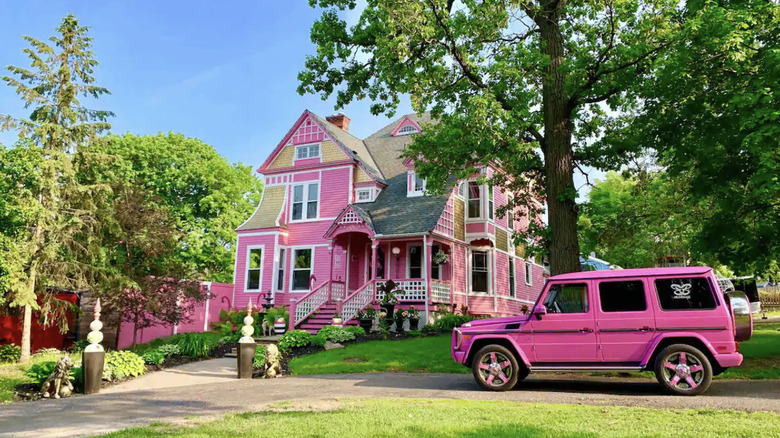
(495,368)
(683,370)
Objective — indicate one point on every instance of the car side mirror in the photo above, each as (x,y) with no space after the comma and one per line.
(539,310)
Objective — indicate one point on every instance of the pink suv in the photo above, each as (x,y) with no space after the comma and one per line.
(673,321)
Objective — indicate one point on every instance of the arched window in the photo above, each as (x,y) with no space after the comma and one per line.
(406,130)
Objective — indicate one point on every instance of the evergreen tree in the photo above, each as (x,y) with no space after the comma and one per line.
(57,242)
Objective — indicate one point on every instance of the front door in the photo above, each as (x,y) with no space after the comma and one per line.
(625,320)
(566,334)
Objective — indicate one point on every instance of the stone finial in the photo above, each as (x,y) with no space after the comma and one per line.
(247,330)
(95,336)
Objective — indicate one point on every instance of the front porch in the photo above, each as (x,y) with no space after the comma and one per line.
(360,263)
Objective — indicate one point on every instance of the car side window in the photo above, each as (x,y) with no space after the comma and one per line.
(622,296)
(684,294)
(567,298)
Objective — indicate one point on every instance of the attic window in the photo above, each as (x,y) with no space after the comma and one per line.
(406,130)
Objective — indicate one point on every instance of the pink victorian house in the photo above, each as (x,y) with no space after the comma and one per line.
(340,215)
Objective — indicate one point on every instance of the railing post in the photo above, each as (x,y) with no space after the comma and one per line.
(293,305)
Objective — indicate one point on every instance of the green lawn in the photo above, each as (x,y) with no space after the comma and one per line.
(477,419)
(432,355)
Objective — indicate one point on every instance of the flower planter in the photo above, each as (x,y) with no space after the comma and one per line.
(337,322)
(280,326)
(414,323)
(366,324)
(389,308)
(399,325)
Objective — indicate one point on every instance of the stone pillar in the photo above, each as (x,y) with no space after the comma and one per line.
(246,346)
(94,356)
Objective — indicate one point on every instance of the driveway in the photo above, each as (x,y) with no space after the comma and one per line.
(119,409)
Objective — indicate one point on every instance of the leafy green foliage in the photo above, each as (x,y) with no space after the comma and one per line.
(294,339)
(153,357)
(337,334)
(448,321)
(169,350)
(79,346)
(10,353)
(355,330)
(41,371)
(276,312)
(196,345)
(121,365)
(414,333)
(259,360)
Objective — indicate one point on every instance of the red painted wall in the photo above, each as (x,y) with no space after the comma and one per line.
(40,336)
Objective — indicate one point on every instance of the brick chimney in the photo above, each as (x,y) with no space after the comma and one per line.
(339,120)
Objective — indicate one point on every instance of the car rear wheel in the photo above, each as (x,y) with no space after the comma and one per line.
(683,370)
(496,368)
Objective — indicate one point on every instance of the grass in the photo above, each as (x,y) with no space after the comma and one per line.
(432,355)
(476,419)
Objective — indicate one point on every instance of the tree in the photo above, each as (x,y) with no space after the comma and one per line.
(57,241)
(205,197)
(636,221)
(712,114)
(511,81)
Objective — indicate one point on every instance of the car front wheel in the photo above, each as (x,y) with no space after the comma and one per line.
(683,370)
(495,368)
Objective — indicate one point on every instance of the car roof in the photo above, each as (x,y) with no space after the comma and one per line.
(639,272)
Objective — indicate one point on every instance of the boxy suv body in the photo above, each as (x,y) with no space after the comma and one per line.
(675,322)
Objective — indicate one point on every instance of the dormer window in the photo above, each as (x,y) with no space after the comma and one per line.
(307,151)
(416,185)
(364,195)
(408,129)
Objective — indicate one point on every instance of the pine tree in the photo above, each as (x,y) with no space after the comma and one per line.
(59,239)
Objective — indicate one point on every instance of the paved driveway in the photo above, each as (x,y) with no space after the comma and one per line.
(118,409)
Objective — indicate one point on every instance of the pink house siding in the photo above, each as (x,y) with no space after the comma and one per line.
(247,240)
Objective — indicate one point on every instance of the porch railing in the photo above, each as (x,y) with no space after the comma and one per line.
(357,301)
(440,292)
(302,308)
(414,290)
(337,289)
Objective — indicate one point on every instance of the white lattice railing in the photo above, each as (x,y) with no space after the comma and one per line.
(337,289)
(310,302)
(357,301)
(414,290)
(440,292)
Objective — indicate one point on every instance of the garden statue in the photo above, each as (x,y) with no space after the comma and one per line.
(60,378)
(272,365)
(268,329)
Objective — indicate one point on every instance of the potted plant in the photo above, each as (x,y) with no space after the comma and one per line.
(400,316)
(366,318)
(337,321)
(414,318)
(390,299)
(440,258)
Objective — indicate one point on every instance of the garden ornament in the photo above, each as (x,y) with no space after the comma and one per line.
(247,330)
(60,379)
(273,367)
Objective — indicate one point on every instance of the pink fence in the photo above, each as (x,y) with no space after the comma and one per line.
(201,317)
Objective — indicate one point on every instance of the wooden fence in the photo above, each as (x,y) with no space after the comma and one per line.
(770,297)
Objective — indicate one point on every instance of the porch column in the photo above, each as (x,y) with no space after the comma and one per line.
(427,249)
(374,245)
(330,275)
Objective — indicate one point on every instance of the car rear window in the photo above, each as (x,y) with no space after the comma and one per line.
(684,294)
(622,296)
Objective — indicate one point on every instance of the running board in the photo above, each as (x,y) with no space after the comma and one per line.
(578,369)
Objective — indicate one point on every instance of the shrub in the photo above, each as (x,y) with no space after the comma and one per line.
(123,364)
(10,353)
(294,339)
(319,340)
(429,329)
(230,339)
(79,346)
(336,334)
(40,371)
(47,352)
(275,312)
(259,360)
(449,321)
(196,345)
(153,357)
(169,350)
(414,333)
(355,330)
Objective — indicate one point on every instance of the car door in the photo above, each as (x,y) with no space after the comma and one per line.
(566,334)
(624,318)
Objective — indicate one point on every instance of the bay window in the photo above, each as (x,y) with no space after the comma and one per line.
(475,201)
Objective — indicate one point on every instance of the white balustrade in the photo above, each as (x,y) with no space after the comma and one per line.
(337,289)
(311,302)
(440,292)
(357,301)
(414,290)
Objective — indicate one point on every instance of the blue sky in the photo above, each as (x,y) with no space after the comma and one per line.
(224,72)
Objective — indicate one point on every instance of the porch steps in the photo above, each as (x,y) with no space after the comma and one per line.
(319,319)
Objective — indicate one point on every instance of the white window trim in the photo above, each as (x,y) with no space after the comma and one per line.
(528,274)
(512,276)
(304,210)
(410,192)
(481,203)
(487,250)
(401,131)
(423,266)
(249,249)
(307,145)
(292,250)
(279,264)
(463,184)
(370,195)
(490,210)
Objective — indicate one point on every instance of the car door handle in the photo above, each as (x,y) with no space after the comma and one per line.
(646,329)
(586,330)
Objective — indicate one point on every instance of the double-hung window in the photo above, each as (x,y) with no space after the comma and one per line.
(510,215)
(491,205)
(307,151)
(415,261)
(254,269)
(511,277)
(305,201)
(302,268)
(280,271)
(435,267)
(479,271)
(528,274)
(416,185)
(475,201)
(364,195)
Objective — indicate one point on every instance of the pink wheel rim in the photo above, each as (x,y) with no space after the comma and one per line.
(682,371)
(495,369)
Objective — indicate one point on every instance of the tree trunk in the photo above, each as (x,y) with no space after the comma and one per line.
(26,326)
(559,158)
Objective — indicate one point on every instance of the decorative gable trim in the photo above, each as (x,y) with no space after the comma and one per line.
(349,220)
(406,121)
(306,130)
